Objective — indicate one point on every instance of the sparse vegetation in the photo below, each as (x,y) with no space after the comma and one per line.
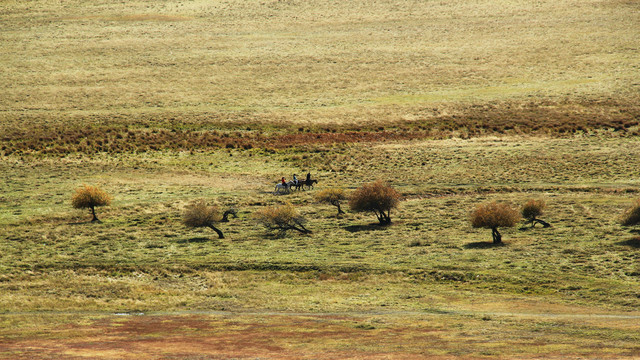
(494,215)
(376,197)
(533,208)
(200,214)
(90,197)
(332,196)
(282,219)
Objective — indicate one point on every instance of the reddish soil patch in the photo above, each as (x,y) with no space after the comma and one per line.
(281,337)
(204,337)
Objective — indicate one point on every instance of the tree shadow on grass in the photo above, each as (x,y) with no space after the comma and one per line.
(633,242)
(483,245)
(358,228)
(77,223)
(198,239)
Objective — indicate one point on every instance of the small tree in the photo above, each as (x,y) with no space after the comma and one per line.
(90,197)
(631,216)
(532,209)
(494,215)
(376,197)
(202,215)
(333,197)
(282,219)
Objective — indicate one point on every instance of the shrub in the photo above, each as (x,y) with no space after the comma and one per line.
(631,216)
(200,214)
(333,197)
(494,215)
(282,219)
(376,197)
(532,209)
(90,197)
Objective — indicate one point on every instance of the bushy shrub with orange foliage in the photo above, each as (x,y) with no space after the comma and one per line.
(332,196)
(632,215)
(90,197)
(282,219)
(200,214)
(532,209)
(377,197)
(494,215)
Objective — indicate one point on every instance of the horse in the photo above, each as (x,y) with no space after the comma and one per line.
(286,187)
(309,184)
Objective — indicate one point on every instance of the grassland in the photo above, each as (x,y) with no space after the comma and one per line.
(140,259)
(454,103)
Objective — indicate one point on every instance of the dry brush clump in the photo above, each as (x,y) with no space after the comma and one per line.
(199,214)
(377,197)
(90,197)
(332,196)
(631,216)
(494,215)
(543,118)
(532,209)
(281,219)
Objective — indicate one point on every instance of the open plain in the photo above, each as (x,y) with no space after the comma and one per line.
(452,103)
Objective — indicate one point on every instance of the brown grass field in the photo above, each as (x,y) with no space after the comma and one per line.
(456,103)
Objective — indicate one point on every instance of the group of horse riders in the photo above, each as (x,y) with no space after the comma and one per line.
(296,182)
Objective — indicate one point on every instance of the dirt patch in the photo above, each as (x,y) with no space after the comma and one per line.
(202,337)
(410,336)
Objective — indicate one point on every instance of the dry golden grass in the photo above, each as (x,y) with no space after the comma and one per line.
(321,62)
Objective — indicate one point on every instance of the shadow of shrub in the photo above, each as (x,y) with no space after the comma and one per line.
(200,239)
(358,228)
(483,245)
(634,242)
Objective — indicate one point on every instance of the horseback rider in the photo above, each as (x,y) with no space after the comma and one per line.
(284,182)
(295,180)
(308,178)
